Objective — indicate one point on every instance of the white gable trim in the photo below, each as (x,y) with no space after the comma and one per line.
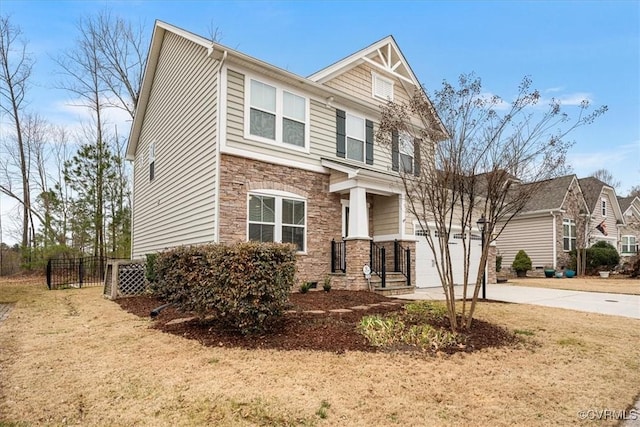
(397,68)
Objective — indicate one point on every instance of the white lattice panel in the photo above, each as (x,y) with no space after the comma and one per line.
(125,278)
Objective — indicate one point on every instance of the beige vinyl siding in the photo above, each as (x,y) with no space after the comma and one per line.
(178,206)
(235,126)
(631,228)
(322,122)
(323,131)
(534,235)
(359,83)
(385,215)
(610,222)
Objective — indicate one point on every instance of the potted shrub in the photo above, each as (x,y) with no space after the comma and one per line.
(521,263)
(602,257)
(549,271)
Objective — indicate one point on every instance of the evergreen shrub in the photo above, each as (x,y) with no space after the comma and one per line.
(242,286)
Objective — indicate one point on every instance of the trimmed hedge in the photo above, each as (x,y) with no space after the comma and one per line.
(241,285)
(602,255)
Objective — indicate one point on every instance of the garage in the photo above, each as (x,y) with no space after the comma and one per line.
(426,271)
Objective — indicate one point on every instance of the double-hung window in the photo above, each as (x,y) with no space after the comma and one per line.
(628,244)
(152,161)
(568,234)
(277,218)
(263,110)
(405,149)
(276,115)
(355,137)
(603,205)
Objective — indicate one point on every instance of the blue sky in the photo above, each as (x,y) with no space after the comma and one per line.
(571,49)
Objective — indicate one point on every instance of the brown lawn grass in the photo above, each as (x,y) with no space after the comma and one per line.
(73,357)
(612,285)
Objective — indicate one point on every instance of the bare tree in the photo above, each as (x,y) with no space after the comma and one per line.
(82,68)
(16,64)
(487,162)
(607,177)
(635,191)
(121,49)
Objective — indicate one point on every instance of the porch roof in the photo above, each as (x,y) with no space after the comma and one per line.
(375,182)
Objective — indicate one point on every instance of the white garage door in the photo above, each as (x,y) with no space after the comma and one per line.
(426,271)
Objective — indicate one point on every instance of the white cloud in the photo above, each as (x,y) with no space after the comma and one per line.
(501,104)
(73,115)
(554,89)
(575,98)
(623,161)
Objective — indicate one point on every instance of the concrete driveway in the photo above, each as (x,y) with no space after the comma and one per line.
(593,302)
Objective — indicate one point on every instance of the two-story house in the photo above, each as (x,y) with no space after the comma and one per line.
(569,213)
(606,216)
(630,231)
(229,148)
(551,224)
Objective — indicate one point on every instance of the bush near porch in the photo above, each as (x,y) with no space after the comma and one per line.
(241,285)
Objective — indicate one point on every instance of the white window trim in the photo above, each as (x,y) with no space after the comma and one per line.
(572,224)
(152,160)
(603,207)
(279,113)
(401,152)
(279,195)
(346,137)
(622,245)
(374,78)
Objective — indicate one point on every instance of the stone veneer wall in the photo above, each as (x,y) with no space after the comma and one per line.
(239,176)
(572,205)
(358,251)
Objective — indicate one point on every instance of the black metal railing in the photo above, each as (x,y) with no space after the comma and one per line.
(378,262)
(338,256)
(75,272)
(402,260)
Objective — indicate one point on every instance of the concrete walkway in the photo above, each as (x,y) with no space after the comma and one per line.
(593,302)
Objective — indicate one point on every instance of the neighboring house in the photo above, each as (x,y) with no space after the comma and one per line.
(228,148)
(550,225)
(606,216)
(630,231)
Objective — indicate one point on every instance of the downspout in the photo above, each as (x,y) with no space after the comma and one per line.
(555,244)
(222,105)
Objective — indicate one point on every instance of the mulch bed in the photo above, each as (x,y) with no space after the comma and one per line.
(300,330)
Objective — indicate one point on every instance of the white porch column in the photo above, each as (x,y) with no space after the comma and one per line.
(358,214)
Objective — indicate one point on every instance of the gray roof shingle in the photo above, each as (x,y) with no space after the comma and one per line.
(591,189)
(625,202)
(550,195)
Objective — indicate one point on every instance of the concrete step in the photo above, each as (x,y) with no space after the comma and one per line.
(394,290)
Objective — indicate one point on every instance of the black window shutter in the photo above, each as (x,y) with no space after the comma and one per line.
(394,151)
(416,156)
(341,131)
(369,141)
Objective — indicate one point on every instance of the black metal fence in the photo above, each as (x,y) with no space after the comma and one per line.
(338,256)
(402,260)
(378,262)
(76,272)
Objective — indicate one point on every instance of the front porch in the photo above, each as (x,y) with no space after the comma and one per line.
(383,267)
(376,251)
